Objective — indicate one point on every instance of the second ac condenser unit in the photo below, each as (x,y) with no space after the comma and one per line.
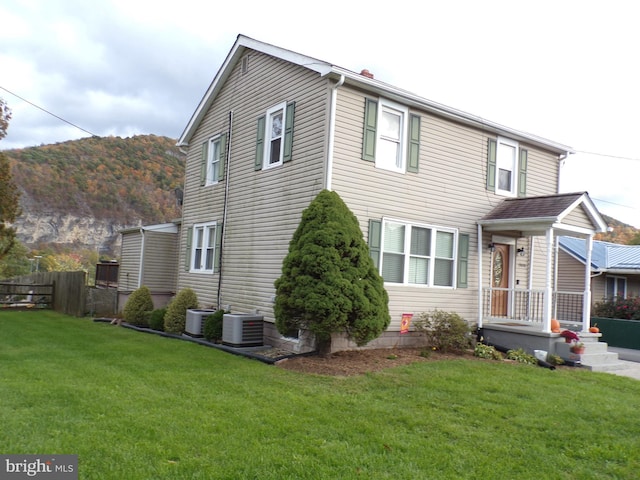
(242,330)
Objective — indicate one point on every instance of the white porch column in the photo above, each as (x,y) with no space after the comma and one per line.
(548,284)
(480,247)
(586,297)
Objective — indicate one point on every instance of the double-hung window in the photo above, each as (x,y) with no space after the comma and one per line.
(414,254)
(213,155)
(391,136)
(274,141)
(506,167)
(203,247)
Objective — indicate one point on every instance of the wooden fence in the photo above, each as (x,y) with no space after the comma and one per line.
(68,289)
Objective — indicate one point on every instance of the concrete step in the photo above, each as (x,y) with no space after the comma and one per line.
(596,356)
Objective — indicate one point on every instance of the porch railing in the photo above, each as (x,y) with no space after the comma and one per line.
(520,305)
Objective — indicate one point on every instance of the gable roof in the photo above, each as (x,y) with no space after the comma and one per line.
(534,215)
(605,256)
(372,85)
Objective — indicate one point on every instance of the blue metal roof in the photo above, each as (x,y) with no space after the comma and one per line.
(604,255)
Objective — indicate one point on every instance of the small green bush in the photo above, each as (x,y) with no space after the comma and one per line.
(554,359)
(176,316)
(618,307)
(212,329)
(521,356)
(137,305)
(446,331)
(487,351)
(156,319)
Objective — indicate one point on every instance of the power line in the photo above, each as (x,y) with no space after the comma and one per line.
(48,112)
(608,156)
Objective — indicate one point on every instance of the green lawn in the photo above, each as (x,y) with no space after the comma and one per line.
(140,406)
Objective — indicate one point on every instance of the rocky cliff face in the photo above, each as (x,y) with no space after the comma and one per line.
(66,229)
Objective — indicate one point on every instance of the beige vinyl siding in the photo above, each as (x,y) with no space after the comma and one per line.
(579,218)
(160,261)
(570,273)
(598,288)
(129,269)
(449,191)
(265,206)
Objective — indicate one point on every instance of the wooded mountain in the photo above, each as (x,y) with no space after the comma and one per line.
(84,191)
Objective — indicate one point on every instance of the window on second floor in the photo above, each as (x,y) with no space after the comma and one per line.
(506,167)
(213,156)
(275,136)
(391,136)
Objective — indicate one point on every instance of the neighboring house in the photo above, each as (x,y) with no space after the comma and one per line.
(614,269)
(460,213)
(149,257)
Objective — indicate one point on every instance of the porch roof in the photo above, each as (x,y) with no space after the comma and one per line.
(567,213)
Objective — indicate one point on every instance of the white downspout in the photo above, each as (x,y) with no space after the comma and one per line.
(332,132)
(548,285)
(586,298)
(530,273)
(479,276)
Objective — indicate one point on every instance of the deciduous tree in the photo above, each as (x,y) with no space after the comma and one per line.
(9,206)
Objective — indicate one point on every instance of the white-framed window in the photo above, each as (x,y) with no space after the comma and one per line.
(203,247)
(274,135)
(506,167)
(616,287)
(391,142)
(416,254)
(214,160)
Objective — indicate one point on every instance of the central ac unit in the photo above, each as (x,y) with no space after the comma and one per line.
(242,330)
(194,325)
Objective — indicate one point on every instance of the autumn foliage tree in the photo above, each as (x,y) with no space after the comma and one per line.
(329,283)
(9,195)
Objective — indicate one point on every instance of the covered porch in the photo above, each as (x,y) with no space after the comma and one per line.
(517,270)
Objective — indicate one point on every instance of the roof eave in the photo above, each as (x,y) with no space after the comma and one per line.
(453,114)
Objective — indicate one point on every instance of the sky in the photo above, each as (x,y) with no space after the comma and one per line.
(564,70)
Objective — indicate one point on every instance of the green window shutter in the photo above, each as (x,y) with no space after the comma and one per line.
(203,163)
(375,236)
(288,132)
(187,252)
(414,143)
(463,260)
(491,164)
(218,247)
(260,143)
(223,156)
(370,125)
(522,173)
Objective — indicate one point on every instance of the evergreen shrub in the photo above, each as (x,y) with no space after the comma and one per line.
(138,303)
(176,316)
(156,319)
(212,329)
(329,283)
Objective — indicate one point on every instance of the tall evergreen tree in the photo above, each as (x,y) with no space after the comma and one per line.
(329,283)
(9,206)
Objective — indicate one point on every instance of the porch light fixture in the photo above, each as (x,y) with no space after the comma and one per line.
(492,247)
(521,251)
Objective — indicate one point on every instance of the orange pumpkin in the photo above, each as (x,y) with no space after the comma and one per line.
(594,329)
(555,326)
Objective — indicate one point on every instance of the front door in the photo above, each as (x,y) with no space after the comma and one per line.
(500,280)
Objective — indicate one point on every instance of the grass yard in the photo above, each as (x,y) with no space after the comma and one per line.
(140,406)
